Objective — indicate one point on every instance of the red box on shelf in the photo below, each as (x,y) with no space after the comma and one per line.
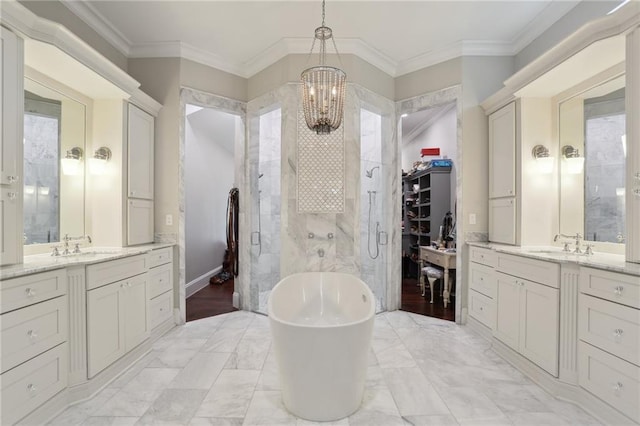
(429,151)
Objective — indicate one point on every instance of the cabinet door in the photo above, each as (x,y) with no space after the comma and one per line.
(11,112)
(539,325)
(136,311)
(105,326)
(507,326)
(502,220)
(502,152)
(140,137)
(139,221)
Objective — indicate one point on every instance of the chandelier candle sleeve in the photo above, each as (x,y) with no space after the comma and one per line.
(323,88)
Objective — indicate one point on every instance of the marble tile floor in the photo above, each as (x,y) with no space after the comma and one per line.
(422,371)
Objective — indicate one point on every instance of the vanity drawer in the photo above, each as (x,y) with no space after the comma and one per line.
(484,256)
(611,327)
(547,273)
(24,291)
(619,288)
(482,279)
(29,385)
(32,330)
(160,256)
(160,280)
(100,274)
(161,308)
(482,308)
(611,379)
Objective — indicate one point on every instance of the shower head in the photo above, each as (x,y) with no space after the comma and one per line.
(369,173)
(260,175)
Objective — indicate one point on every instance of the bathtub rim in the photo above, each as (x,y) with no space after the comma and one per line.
(370,295)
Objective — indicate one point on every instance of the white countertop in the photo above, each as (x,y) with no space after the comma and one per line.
(611,262)
(45,262)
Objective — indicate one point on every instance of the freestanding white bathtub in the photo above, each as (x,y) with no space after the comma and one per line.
(321,324)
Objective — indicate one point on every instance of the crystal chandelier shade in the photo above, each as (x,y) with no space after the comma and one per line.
(323,88)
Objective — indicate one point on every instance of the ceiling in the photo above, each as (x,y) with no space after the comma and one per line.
(244,37)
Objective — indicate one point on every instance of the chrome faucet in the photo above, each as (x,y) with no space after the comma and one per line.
(66,240)
(566,248)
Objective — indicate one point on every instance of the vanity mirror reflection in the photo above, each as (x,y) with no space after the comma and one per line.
(592,149)
(54,160)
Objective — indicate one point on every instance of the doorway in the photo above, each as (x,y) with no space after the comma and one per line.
(429,150)
(209,175)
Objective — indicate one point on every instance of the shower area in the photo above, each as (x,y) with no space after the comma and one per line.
(373,227)
(265,238)
(350,173)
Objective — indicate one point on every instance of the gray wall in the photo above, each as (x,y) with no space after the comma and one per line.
(211,80)
(427,80)
(584,12)
(288,69)
(55,11)
(209,175)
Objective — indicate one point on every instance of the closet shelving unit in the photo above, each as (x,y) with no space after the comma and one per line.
(426,199)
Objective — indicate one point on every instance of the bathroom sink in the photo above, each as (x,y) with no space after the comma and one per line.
(546,251)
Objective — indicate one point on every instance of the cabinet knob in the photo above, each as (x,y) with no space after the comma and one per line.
(617,387)
(12,195)
(31,387)
(12,179)
(29,292)
(32,334)
(132,193)
(617,333)
(618,290)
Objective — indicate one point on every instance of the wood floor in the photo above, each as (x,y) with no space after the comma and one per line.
(412,301)
(212,300)
(217,299)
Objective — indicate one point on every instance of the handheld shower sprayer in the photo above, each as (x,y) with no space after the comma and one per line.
(369,173)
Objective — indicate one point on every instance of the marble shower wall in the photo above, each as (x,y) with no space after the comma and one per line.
(267,212)
(372,195)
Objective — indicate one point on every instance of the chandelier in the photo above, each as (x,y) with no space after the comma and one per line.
(323,87)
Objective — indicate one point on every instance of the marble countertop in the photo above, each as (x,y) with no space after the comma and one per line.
(608,261)
(45,262)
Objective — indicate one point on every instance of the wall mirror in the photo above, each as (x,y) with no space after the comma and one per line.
(592,162)
(54,160)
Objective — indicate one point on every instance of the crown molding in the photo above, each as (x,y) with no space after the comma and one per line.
(543,21)
(20,19)
(94,19)
(177,49)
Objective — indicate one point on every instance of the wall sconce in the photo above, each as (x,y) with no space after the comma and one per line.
(575,163)
(544,162)
(98,163)
(29,189)
(71,162)
(43,190)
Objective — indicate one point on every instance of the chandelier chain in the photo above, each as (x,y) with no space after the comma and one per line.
(323,13)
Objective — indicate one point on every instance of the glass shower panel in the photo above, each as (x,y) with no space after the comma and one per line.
(266,271)
(373,228)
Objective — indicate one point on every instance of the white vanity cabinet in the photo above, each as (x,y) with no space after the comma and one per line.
(117,310)
(11,107)
(34,352)
(482,286)
(502,175)
(527,308)
(140,159)
(609,332)
(502,152)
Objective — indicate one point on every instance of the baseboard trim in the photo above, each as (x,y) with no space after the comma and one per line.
(201,282)
(563,391)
